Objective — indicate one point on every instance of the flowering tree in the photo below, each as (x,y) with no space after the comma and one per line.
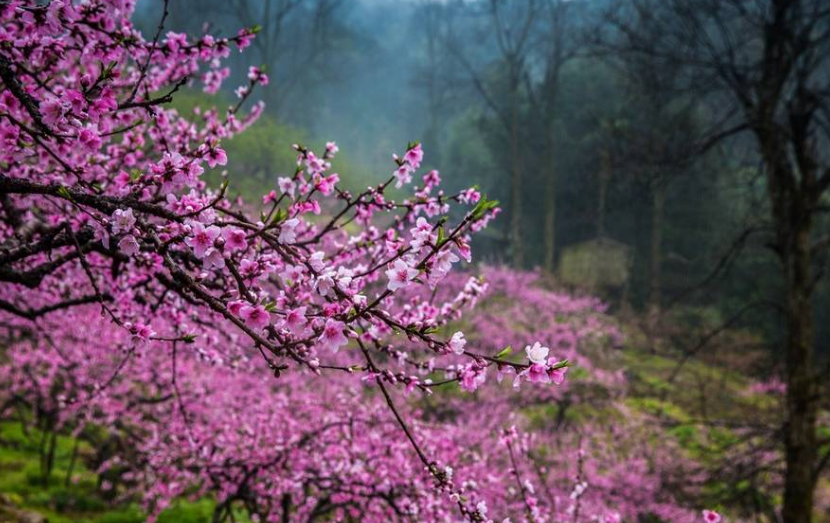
(104,207)
(188,419)
(255,352)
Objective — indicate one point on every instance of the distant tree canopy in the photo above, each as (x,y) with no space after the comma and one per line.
(605,143)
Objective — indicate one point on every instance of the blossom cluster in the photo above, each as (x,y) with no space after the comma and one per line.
(116,192)
(201,417)
(105,208)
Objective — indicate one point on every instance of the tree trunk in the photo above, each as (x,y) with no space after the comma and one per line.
(50,458)
(550,210)
(515,181)
(800,428)
(656,256)
(604,178)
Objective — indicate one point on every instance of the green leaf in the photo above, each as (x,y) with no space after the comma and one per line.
(189,338)
(482,207)
(561,364)
(441,238)
(280,216)
(504,352)
(63,192)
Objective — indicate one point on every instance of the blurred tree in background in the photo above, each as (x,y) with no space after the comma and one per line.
(675,152)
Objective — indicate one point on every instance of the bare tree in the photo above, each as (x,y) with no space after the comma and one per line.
(294,38)
(511,24)
(557,46)
(764,65)
(436,76)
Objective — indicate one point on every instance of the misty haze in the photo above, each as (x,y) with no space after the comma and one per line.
(502,261)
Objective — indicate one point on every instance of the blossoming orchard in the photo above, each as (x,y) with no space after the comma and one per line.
(317,354)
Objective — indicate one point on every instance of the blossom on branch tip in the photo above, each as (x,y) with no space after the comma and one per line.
(271,197)
(557,376)
(457,343)
(287,186)
(537,353)
(139,332)
(414,156)
(255,74)
(216,156)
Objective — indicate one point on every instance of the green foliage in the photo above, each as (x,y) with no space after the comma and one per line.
(76,501)
(258,156)
(658,407)
(596,264)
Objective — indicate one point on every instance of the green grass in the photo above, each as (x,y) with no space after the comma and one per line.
(76,501)
(651,393)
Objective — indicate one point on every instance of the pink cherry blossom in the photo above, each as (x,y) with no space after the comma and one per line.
(213,259)
(710,516)
(202,238)
(557,376)
(271,197)
(537,373)
(414,156)
(287,186)
(128,245)
(296,321)
(255,316)
(333,337)
(123,220)
(457,343)
(235,239)
(140,332)
(400,275)
(472,377)
(216,156)
(288,231)
(537,353)
(206,347)
(403,175)
(316,261)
